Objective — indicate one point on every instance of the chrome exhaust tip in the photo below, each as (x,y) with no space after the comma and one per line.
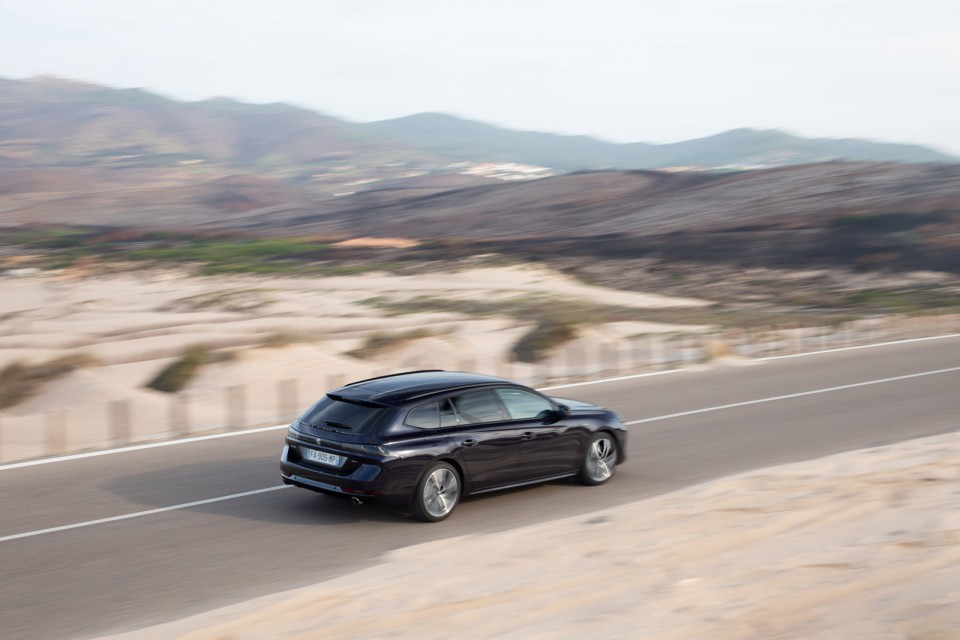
(356,500)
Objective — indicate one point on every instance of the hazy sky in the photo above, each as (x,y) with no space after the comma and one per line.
(623,70)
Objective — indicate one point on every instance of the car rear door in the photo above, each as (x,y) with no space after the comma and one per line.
(487,444)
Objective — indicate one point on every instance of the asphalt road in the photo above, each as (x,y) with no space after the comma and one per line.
(125,574)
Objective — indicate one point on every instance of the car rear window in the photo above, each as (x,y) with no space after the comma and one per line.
(344,414)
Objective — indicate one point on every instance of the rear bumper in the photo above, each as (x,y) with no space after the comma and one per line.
(365,483)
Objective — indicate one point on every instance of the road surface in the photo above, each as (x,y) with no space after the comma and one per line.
(690,426)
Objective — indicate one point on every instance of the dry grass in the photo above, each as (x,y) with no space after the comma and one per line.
(178,374)
(19,381)
(380,342)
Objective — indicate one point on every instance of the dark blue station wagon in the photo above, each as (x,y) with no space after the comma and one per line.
(425,439)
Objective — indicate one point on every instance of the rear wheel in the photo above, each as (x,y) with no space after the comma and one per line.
(437,493)
(599,459)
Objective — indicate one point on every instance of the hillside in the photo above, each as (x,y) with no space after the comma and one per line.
(56,122)
(641,203)
(78,154)
(860,215)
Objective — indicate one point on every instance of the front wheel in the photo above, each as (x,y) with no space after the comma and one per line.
(599,460)
(437,493)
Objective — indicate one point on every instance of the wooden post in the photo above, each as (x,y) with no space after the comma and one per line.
(179,414)
(287,399)
(120,422)
(236,407)
(55,432)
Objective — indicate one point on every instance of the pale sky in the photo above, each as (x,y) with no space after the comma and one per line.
(622,70)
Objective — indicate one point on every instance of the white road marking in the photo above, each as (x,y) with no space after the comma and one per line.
(230,434)
(859,346)
(632,376)
(138,447)
(185,505)
(794,395)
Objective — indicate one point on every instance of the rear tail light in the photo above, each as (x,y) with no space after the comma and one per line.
(369,449)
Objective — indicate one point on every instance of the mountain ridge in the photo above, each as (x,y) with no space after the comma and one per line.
(746,146)
(50,121)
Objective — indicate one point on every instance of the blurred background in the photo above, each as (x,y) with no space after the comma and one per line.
(211,214)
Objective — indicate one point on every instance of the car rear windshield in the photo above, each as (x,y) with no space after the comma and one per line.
(344,414)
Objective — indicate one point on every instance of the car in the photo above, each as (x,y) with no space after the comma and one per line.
(425,439)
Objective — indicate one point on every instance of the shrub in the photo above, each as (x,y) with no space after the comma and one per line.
(380,342)
(178,374)
(547,334)
(19,381)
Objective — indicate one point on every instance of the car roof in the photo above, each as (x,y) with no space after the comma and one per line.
(402,387)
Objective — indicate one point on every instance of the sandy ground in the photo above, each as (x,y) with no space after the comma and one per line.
(135,325)
(863,544)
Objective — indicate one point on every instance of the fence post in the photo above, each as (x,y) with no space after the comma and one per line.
(120,422)
(287,392)
(179,415)
(236,406)
(56,432)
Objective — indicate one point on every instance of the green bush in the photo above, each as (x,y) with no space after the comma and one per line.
(547,334)
(178,374)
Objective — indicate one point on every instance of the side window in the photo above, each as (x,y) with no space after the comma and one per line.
(425,416)
(523,404)
(448,417)
(479,406)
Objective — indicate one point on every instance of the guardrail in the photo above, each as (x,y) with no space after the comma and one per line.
(103,424)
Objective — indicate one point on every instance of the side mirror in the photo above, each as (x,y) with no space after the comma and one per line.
(552,415)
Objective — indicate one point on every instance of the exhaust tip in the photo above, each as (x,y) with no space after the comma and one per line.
(356,500)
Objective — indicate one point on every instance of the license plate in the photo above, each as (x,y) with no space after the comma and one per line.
(323,457)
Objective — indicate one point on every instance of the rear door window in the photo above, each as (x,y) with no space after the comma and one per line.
(477,407)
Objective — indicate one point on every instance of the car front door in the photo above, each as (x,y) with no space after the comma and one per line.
(550,445)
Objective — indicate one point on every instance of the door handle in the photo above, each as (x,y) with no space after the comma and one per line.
(470,442)
(528,435)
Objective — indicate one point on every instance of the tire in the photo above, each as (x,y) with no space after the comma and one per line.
(599,459)
(437,494)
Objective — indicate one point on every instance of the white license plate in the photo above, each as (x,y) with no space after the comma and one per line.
(323,457)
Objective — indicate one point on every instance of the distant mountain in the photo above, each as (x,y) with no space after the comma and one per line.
(474,141)
(467,140)
(55,122)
